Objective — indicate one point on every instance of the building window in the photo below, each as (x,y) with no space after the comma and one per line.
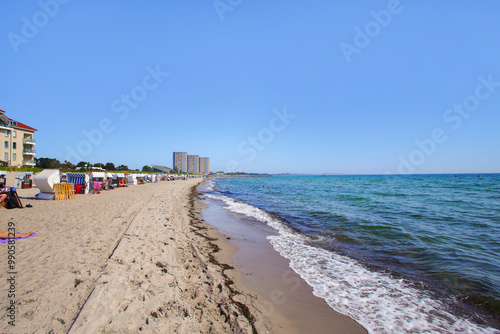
(6,156)
(6,144)
(14,146)
(14,134)
(14,156)
(6,133)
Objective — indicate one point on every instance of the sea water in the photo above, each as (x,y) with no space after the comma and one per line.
(398,253)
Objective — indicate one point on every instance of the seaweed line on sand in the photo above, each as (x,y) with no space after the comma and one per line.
(198,226)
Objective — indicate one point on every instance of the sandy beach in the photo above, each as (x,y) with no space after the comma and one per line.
(127,260)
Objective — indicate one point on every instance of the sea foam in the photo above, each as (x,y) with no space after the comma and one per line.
(376,300)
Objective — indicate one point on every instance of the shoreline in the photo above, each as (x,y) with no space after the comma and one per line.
(302,230)
(262,272)
(251,305)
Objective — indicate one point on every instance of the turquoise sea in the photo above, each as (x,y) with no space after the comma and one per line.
(411,254)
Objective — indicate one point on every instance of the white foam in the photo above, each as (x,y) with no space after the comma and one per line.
(253,212)
(210,185)
(377,301)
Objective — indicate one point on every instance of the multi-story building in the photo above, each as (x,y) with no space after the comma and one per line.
(191,163)
(180,161)
(18,147)
(204,165)
(194,164)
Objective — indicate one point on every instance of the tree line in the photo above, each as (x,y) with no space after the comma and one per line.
(84,165)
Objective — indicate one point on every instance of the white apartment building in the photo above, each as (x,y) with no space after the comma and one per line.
(17,147)
(180,161)
(194,164)
(204,165)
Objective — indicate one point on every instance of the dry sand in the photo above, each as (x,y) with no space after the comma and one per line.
(127,260)
(135,259)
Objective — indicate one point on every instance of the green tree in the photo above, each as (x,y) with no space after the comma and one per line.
(109,166)
(47,163)
(67,165)
(147,169)
(122,167)
(54,164)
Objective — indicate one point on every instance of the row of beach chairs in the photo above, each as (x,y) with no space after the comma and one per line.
(92,183)
(22,181)
(82,183)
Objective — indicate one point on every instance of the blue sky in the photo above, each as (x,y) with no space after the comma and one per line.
(258,86)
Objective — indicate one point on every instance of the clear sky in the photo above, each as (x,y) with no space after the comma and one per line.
(258,86)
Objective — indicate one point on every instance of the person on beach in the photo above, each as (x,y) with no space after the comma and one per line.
(9,199)
(3,200)
(7,235)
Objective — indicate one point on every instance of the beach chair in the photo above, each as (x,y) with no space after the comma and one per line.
(81,182)
(120,180)
(18,179)
(97,176)
(3,178)
(27,182)
(97,181)
(23,180)
(45,181)
(109,181)
(114,180)
(131,179)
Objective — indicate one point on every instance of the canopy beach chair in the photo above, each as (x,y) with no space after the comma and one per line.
(80,181)
(3,178)
(23,180)
(45,181)
(98,181)
(120,180)
(109,181)
(132,179)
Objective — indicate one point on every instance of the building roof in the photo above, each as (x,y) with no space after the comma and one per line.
(19,124)
(162,169)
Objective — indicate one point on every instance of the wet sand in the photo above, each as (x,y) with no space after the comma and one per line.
(263,271)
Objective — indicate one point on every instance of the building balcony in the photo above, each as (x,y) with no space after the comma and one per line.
(5,126)
(28,163)
(29,152)
(29,141)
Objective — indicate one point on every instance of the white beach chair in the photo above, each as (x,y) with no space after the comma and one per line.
(3,178)
(99,177)
(45,181)
(132,179)
(23,180)
(121,180)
